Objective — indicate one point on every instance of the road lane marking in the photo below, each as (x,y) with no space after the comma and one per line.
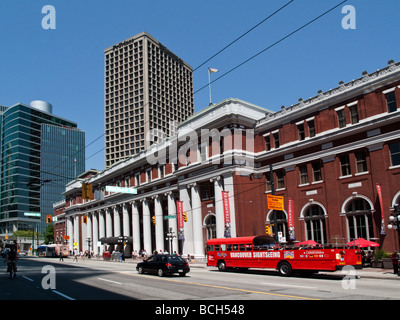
(25,277)
(63,295)
(287,285)
(222,287)
(109,281)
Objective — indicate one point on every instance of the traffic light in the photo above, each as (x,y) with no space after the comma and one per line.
(268,229)
(87,191)
(154,219)
(84,219)
(184,216)
(48,218)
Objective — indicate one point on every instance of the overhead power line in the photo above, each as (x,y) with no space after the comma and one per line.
(237,39)
(271,46)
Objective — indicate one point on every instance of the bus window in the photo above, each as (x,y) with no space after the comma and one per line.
(210,248)
(216,247)
(235,247)
(249,247)
(228,247)
(241,247)
(223,247)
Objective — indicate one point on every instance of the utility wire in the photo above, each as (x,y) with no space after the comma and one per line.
(272,45)
(237,39)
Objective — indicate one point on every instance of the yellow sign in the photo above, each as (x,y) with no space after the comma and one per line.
(275,202)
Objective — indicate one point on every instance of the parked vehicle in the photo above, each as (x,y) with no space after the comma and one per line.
(164,264)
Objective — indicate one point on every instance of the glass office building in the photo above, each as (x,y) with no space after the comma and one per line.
(40,154)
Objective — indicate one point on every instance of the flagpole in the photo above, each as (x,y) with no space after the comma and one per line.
(209,83)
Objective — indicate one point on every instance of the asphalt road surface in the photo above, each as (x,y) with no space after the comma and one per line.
(51,279)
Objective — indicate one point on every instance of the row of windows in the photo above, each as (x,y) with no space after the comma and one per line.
(358,219)
(306,129)
(352,163)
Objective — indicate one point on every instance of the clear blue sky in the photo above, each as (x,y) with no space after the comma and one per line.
(65,66)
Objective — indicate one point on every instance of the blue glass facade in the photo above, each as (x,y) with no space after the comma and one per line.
(38,151)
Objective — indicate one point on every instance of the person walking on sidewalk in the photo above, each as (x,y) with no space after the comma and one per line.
(395,262)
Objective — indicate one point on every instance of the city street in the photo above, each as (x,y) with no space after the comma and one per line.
(109,280)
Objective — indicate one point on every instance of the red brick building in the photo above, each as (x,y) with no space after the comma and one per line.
(327,155)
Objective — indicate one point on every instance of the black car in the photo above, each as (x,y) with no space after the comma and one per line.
(164,264)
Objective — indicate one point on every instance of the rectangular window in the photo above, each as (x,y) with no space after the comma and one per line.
(311,128)
(341,118)
(303,174)
(345,165)
(280,179)
(391,101)
(268,179)
(395,153)
(267,142)
(361,161)
(354,114)
(276,139)
(316,167)
(300,130)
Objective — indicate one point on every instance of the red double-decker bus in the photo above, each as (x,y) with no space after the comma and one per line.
(262,252)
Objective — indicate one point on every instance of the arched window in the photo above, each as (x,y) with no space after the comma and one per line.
(281,221)
(211,228)
(314,219)
(359,219)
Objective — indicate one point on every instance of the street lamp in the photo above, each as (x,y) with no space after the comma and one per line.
(394,220)
(170,236)
(89,241)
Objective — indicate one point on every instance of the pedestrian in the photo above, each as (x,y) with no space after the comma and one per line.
(61,256)
(75,256)
(395,262)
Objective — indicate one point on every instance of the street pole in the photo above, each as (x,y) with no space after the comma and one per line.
(273,211)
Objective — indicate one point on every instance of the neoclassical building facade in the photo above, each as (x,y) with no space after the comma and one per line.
(334,158)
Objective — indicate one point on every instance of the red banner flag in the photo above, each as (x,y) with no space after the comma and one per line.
(379,190)
(225,203)
(290,220)
(179,212)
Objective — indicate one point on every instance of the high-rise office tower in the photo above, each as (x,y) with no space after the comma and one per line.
(147,87)
(40,154)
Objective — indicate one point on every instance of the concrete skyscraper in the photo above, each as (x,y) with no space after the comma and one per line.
(147,87)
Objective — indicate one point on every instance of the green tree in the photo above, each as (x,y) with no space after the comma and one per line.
(49,235)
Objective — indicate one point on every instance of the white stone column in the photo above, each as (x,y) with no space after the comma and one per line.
(102,228)
(146,226)
(70,232)
(108,223)
(77,219)
(188,228)
(172,223)
(228,186)
(85,229)
(136,228)
(219,209)
(117,222)
(159,223)
(95,232)
(102,224)
(125,221)
(197,223)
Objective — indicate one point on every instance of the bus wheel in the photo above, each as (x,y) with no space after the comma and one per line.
(285,269)
(221,266)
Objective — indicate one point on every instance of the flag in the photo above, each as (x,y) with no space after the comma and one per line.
(213,70)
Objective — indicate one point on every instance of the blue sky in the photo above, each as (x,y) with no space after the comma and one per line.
(65,66)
